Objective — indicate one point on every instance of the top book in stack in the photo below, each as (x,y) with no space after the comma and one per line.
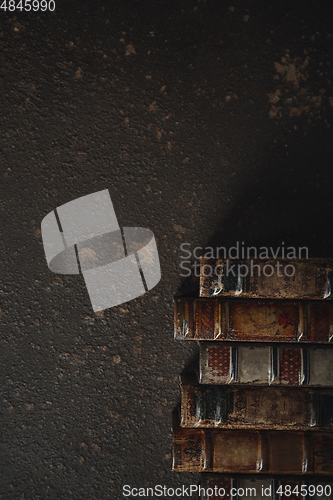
(267,278)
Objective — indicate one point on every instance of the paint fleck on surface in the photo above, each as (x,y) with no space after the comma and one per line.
(130,50)
(303,88)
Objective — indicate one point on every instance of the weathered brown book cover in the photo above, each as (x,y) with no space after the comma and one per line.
(262,364)
(218,486)
(252,452)
(266,278)
(270,408)
(254,320)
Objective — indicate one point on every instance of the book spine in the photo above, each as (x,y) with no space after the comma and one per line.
(266,278)
(217,487)
(254,320)
(190,452)
(259,364)
(184,314)
(268,408)
(252,452)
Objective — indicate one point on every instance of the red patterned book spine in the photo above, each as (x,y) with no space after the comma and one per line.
(220,363)
(291,366)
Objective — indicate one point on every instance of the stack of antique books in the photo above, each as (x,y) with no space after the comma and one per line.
(259,412)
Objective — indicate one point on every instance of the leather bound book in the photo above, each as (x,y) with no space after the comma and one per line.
(266,278)
(218,487)
(263,364)
(254,320)
(252,452)
(270,408)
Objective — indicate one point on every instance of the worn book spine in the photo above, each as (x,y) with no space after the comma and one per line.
(269,408)
(262,364)
(252,452)
(254,320)
(218,487)
(266,278)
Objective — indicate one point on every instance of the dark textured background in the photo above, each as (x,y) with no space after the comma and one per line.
(209,122)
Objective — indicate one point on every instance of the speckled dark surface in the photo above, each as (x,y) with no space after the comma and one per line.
(209,122)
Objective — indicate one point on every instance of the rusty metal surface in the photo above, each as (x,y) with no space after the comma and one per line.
(208,123)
